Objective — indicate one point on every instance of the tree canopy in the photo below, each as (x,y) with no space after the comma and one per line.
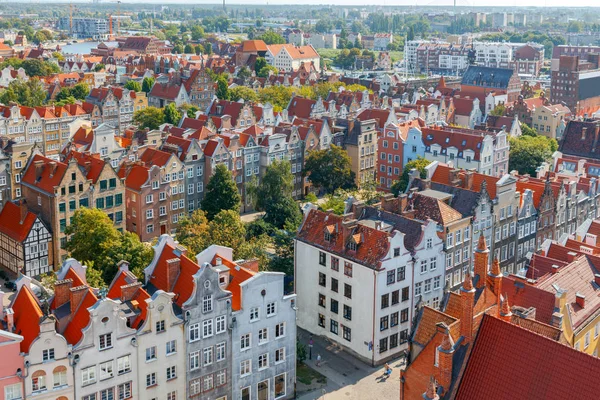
(133,85)
(172,114)
(419,164)
(527,152)
(271,37)
(221,193)
(222,91)
(329,169)
(147,84)
(242,92)
(149,117)
(31,93)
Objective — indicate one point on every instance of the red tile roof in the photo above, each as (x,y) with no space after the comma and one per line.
(80,319)
(300,107)
(238,274)
(442,175)
(51,174)
(184,283)
(11,224)
(461,139)
(152,156)
(509,362)
(253,46)
(137,177)
(373,246)
(91,164)
(125,278)
(520,293)
(27,316)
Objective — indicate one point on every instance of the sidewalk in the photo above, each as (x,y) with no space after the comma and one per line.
(347,377)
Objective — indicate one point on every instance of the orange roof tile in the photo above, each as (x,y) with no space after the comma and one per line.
(51,174)
(11,224)
(80,319)
(27,317)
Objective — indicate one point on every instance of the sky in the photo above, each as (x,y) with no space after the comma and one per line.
(477,3)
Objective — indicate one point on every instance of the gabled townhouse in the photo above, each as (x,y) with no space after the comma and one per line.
(200,88)
(360,142)
(11,384)
(240,327)
(101,140)
(162,94)
(467,112)
(287,57)
(396,262)
(25,241)
(17,154)
(55,190)
(191,155)
(159,344)
(273,147)
(117,105)
(242,114)
(526,222)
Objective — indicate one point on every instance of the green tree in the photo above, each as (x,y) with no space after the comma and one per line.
(63,94)
(271,37)
(221,193)
(256,247)
(93,276)
(283,261)
(193,232)
(133,85)
(264,71)
(300,352)
(244,73)
(227,229)
(527,153)
(259,64)
(278,96)
(498,111)
(334,203)
(31,93)
(172,114)
(147,84)
(208,48)
(242,92)
(149,117)
(527,130)
(99,67)
(35,67)
(91,238)
(197,32)
(419,164)
(329,169)
(188,49)
(222,88)
(80,91)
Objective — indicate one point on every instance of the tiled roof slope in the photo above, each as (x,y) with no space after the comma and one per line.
(509,362)
(27,317)
(373,246)
(581,138)
(11,224)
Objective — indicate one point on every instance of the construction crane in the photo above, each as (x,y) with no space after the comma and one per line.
(71,6)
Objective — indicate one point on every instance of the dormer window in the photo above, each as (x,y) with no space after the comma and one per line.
(327,236)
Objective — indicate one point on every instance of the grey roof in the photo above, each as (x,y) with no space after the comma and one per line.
(487,77)
(411,228)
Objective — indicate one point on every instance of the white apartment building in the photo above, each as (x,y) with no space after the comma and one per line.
(358,281)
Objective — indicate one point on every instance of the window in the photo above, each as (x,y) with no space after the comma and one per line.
(60,376)
(280,330)
(401,274)
(321,300)
(394,319)
(106,370)
(335,263)
(322,258)
(123,365)
(172,395)
(263,336)
(395,297)
(586,340)
(171,347)
(194,360)
(220,323)
(88,375)
(334,285)
(423,266)
(124,391)
(384,323)
(385,301)
(437,282)
(334,306)
(263,390)
(207,328)
(321,320)
(207,304)
(263,361)
(347,290)
(38,381)
(151,379)
(391,277)
(13,392)
(220,351)
(347,312)
(245,342)
(107,394)
(245,367)
(47,354)
(348,269)
(207,382)
(172,372)
(418,287)
(160,326)
(279,355)
(333,326)
(255,314)
(322,279)
(194,332)
(383,345)
(450,240)
(105,341)
(405,292)
(151,353)
(272,309)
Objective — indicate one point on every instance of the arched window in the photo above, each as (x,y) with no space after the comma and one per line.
(60,376)
(38,380)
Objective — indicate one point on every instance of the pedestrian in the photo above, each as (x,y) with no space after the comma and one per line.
(318,360)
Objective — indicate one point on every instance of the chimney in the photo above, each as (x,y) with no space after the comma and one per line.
(571,256)
(39,168)
(24,211)
(61,292)
(557,319)
(454,180)
(10,319)
(347,228)
(402,203)
(597,279)
(129,291)
(173,266)
(52,168)
(387,202)
(580,299)
(469,179)
(77,294)
(358,207)
(495,276)
(504,312)
(481,262)
(445,353)
(431,393)
(467,297)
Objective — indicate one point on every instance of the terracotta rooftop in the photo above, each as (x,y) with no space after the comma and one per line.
(12,222)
